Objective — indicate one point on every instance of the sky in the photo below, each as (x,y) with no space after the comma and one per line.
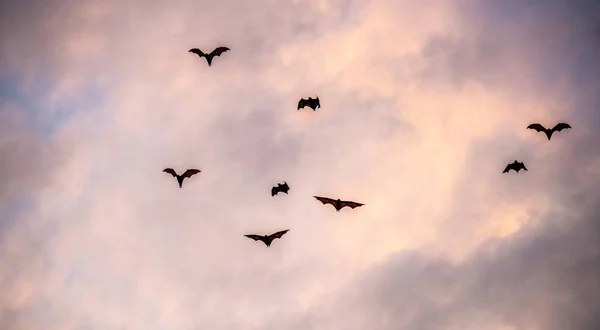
(423,105)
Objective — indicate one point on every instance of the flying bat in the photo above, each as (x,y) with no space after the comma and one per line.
(338,204)
(209,57)
(312,103)
(559,127)
(516,166)
(268,239)
(284,188)
(186,174)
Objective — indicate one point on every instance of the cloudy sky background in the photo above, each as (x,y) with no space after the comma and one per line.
(423,104)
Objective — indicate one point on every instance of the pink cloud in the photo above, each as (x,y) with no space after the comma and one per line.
(422,106)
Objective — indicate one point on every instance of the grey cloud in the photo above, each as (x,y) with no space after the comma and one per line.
(545,275)
(541,277)
(565,36)
(163,257)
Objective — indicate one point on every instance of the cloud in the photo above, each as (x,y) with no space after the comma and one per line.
(539,272)
(423,105)
(540,278)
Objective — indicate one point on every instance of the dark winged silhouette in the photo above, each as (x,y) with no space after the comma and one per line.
(209,57)
(284,188)
(559,127)
(186,174)
(516,166)
(268,239)
(312,103)
(338,204)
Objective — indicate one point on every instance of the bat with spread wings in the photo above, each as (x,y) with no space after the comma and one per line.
(186,174)
(209,57)
(268,239)
(539,128)
(516,166)
(284,188)
(312,103)
(338,204)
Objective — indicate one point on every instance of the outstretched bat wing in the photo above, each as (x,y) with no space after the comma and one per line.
(170,171)
(325,200)
(278,234)
(302,103)
(350,204)
(255,237)
(196,51)
(537,127)
(560,126)
(508,168)
(219,50)
(190,172)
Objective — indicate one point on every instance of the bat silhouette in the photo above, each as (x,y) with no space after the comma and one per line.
(209,57)
(312,103)
(559,127)
(186,174)
(516,166)
(284,188)
(268,239)
(338,204)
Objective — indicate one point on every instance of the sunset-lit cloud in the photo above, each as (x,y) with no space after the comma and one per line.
(423,104)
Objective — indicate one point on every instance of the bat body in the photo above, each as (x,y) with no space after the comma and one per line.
(268,239)
(338,204)
(312,103)
(516,166)
(284,188)
(209,57)
(559,127)
(186,174)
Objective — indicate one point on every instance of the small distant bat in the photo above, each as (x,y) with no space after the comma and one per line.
(516,166)
(312,103)
(268,239)
(186,174)
(284,188)
(209,57)
(338,204)
(559,127)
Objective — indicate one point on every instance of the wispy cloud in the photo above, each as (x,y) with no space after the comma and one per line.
(423,104)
